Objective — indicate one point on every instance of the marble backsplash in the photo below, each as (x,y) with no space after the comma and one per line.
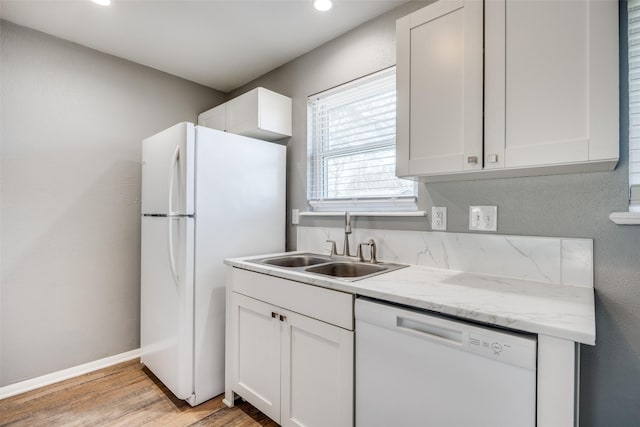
(554,260)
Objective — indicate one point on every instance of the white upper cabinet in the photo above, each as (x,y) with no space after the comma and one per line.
(550,90)
(259,113)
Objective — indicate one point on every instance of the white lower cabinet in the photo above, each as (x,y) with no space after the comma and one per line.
(296,369)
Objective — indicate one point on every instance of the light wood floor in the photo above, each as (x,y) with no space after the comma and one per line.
(127,394)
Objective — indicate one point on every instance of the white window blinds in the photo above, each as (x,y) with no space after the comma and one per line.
(634,103)
(351,147)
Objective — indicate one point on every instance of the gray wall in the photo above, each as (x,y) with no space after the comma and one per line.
(72,121)
(564,205)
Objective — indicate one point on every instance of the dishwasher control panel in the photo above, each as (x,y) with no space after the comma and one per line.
(513,349)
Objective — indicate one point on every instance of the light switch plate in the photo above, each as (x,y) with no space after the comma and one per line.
(439,218)
(295,216)
(483,218)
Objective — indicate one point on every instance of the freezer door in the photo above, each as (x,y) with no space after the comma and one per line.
(166,311)
(168,171)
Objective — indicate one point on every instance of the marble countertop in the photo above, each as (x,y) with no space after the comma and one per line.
(560,311)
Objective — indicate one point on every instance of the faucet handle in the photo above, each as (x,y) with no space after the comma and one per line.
(333,247)
(359,251)
(372,245)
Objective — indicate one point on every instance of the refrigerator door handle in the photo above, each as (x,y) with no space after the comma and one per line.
(172,261)
(175,159)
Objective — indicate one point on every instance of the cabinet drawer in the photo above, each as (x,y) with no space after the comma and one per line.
(329,306)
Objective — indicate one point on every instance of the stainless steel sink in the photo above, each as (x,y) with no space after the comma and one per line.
(302,260)
(342,268)
(347,269)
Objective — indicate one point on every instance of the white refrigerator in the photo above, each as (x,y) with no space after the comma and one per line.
(206,195)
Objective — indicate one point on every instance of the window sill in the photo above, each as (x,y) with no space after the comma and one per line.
(356,213)
(625,218)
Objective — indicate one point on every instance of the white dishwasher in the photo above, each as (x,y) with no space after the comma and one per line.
(419,369)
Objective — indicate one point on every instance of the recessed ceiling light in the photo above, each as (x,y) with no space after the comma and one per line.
(322,5)
(102,2)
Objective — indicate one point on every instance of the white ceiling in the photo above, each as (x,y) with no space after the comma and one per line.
(222,44)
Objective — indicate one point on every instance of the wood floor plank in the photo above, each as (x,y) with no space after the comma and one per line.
(127,394)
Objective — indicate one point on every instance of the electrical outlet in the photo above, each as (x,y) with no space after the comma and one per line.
(295,216)
(483,218)
(439,218)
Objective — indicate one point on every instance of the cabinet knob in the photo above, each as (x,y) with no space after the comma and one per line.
(492,158)
(283,318)
(274,314)
(472,160)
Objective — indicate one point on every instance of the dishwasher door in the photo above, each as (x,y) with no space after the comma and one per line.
(418,369)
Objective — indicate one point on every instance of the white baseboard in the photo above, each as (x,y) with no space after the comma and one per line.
(65,374)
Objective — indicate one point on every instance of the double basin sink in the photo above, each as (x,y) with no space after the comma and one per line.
(337,267)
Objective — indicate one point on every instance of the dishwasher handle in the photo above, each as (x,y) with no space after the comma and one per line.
(430,331)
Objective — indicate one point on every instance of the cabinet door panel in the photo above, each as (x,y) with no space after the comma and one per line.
(437,97)
(551,83)
(547,82)
(317,373)
(440,89)
(214,118)
(257,354)
(242,113)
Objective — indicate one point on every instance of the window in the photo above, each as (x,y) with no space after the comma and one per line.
(634,104)
(352,148)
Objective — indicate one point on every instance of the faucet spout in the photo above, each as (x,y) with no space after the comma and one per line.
(347,230)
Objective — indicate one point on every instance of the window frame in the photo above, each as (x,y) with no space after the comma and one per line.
(316,162)
(634,178)
(632,215)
